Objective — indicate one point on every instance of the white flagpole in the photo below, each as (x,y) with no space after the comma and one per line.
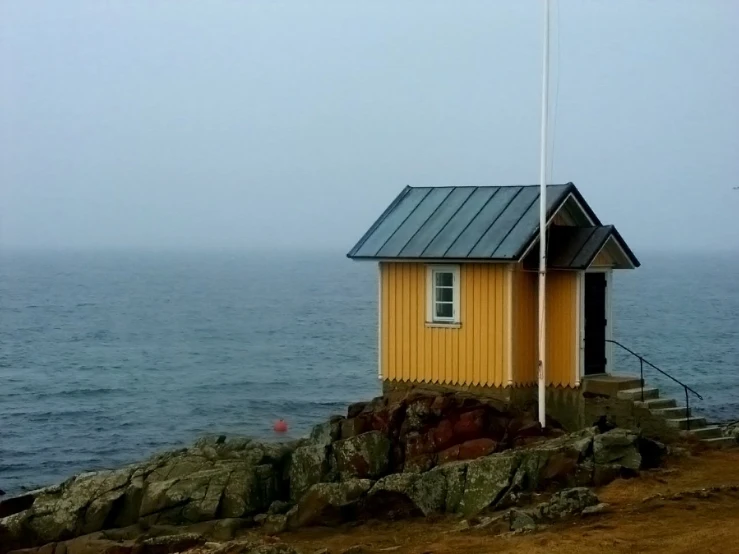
(543,221)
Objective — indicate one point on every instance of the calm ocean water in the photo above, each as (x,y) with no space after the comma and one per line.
(107,357)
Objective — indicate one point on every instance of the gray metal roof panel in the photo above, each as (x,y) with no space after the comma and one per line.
(458,222)
(413,223)
(436,222)
(389,222)
(488,214)
(527,226)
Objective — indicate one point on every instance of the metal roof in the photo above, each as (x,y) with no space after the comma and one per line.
(577,247)
(484,223)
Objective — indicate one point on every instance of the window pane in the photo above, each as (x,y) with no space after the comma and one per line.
(445,294)
(444,279)
(444,310)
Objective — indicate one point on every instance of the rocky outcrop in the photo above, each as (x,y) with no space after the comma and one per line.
(214,479)
(328,503)
(419,455)
(562,505)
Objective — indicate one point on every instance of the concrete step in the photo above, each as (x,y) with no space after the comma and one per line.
(636,393)
(609,385)
(683,422)
(671,413)
(710,432)
(656,403)
(721,442)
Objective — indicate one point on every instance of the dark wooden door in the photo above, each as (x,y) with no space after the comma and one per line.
(595,323)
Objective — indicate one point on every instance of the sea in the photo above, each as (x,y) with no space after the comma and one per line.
(107,357)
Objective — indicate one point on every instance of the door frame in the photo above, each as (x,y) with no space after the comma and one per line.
(581,320)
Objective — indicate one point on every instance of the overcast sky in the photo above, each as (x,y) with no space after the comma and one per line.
(293,124)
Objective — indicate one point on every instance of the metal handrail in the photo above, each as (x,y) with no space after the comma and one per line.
(643,361)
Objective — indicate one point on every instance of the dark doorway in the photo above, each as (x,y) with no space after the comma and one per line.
(595,323)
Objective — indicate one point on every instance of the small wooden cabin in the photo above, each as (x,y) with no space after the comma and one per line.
(458,286)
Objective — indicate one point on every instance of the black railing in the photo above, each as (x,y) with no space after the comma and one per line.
(643,361)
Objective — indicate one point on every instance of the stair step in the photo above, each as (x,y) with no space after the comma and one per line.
(683,422)
(720,442)
(674,412)
(710,432)
(656,403)
(636,394)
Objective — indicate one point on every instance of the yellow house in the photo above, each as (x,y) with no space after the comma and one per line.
(458,287)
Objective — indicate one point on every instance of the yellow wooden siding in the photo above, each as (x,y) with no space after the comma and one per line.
(562,308)
(525,336)
(476,353)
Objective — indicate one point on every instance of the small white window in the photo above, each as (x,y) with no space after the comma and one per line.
(443,294)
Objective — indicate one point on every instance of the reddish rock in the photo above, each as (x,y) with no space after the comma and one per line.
(387,420)
(443,435)
(476,448)
(524,427)
(417,444)
(448,455)
(419,464)
(442,404)
(471,425)
(352,427)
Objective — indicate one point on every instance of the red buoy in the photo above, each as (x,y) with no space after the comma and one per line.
(280,426)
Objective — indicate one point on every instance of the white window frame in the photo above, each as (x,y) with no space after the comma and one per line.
(431,317)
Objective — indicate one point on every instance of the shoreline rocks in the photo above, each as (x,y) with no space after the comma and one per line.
(419,455)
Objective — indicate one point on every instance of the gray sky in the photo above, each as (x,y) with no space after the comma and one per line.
(293,124)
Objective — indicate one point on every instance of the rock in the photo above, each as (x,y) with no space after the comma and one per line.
(328,503)
(566,503)
(471,425)
(418,414)
(419,464)
(279,507)
(327,432)
(169,544)
(15,504)
(605,473)
(521,520)
(352,427)
(487,479)
(356,549)
(274,524)
(259,519)
(322,551)
(618,446)
(355,409)
(597,509)
(653,453)
(309,465)
(227,529)
(443,435)
(448,455)
(417,444)
(407,494)
(476,448)
(363,456)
